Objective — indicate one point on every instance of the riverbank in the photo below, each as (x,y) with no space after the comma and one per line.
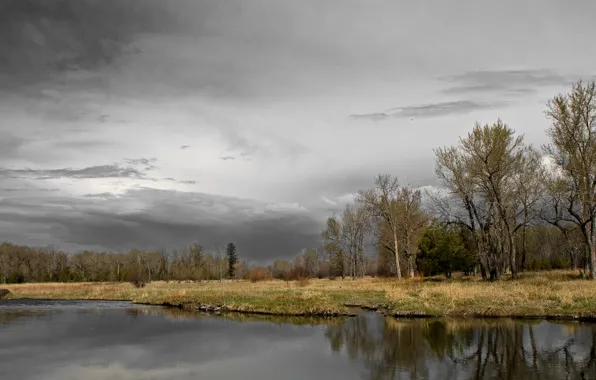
(557,295)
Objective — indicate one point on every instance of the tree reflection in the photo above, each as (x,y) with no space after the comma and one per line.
(388,348)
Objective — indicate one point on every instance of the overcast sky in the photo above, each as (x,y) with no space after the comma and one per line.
(155,124)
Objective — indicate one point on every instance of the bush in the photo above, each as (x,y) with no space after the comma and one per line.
(258,274)
(443,250)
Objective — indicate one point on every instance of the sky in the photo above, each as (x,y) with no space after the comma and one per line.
(155,124)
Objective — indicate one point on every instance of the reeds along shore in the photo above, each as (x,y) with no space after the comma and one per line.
(556,294)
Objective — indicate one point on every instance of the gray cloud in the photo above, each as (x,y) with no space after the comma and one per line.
(226,158)
(42,37)
(146,162)
(101,195)
(81,144)
(187,182)
(169,219)
(10,145)
(430,110)
(265,77)
(509,81)
(24,189)
(102,171)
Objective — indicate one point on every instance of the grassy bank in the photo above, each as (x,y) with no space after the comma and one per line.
(552,294)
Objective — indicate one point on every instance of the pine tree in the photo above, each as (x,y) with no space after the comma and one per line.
(232,259)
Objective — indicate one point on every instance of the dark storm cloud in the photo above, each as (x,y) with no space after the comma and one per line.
(102,171)
(430,110)
(169,219)
(10,144)
(44,37)
(512,81)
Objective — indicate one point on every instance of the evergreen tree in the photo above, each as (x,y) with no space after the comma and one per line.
(232,259)
(443,250)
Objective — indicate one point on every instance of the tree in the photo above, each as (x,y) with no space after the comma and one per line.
(220,263)
(355,227)
(573,150)
(411,219)
(232,259)
(491,174)
(381,202)
(443,250)
(309,260)
(334,246)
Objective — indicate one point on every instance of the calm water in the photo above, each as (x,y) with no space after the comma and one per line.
(94,340)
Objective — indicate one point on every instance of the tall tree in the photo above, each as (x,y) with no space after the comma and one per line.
(356,225)
(573,149)
(489,172)
(232,259)
(381,201)
(411,219)
(334,246)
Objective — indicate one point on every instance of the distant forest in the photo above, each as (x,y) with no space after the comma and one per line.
(503,207)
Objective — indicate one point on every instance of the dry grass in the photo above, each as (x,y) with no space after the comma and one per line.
(551,294)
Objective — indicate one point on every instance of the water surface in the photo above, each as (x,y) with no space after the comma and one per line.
(113,340)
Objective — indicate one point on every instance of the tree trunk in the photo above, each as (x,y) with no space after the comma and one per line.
(592,247)
(396,246)
(592,260)
(512,257)
(483,270)
(524,250)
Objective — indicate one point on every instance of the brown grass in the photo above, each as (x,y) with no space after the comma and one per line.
(547,294)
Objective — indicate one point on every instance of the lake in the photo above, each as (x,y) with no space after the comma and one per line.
(63,340)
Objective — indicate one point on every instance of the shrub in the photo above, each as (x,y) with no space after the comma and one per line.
(258,274)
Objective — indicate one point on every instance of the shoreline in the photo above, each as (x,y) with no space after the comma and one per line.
(217,310)
(536,296)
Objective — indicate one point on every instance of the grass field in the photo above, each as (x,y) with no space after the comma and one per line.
(556,294)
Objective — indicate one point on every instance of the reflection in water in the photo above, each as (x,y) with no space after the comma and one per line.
(47,340)
(174,314)
(467,349)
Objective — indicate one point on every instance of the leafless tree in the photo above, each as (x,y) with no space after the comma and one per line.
(382,203)
(573,150)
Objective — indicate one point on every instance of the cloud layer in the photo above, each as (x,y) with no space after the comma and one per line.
(157,123)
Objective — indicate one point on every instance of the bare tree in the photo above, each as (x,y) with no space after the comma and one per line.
(382,203)
(491,173)
(463,205)
(573,149)
(334,245)
(411,219)
(356,224)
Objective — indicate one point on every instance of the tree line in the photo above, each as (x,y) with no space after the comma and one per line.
(503,207)
(19,264)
